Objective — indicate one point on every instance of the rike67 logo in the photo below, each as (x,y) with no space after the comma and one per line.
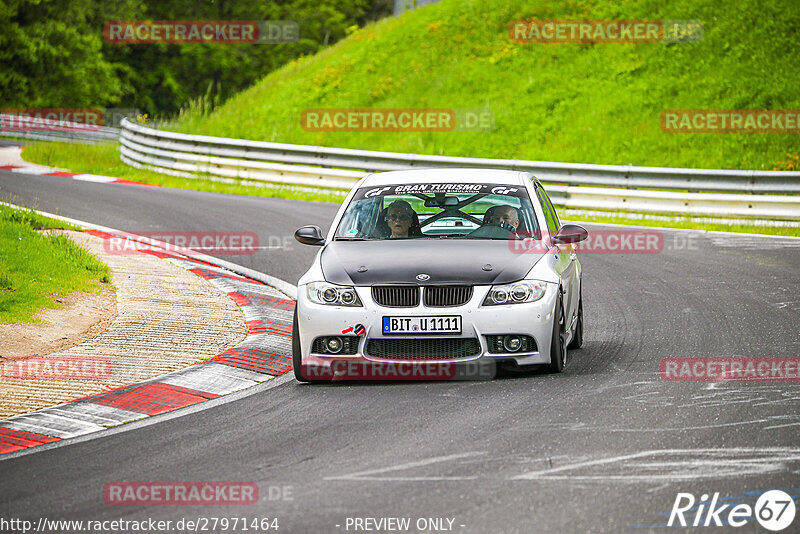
(774,510)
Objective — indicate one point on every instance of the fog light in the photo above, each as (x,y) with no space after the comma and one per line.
(333,344)
(512,343)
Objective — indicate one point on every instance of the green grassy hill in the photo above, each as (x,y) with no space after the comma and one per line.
(576,102)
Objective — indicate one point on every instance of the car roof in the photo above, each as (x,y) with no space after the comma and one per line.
(491,176)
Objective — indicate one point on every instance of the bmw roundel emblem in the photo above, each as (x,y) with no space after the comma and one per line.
(423,277)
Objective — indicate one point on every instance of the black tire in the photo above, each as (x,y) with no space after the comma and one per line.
(577,339)
(558,349)
(296,352)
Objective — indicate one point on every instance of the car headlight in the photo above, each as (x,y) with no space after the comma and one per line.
(332,295)
(515,293)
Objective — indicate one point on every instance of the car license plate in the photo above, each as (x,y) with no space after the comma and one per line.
(438,324)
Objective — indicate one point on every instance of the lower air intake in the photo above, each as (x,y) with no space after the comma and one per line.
(423,349)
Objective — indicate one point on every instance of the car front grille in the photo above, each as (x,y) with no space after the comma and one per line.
(423,349)
(409,296)
(444,296)
(396,296)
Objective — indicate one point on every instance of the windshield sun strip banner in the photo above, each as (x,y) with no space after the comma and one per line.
(441,188)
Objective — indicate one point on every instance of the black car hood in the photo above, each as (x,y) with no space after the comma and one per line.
(445,261)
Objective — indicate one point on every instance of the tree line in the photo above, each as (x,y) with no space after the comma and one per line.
(53,54)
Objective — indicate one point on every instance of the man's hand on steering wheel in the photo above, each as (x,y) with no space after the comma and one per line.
(507,226)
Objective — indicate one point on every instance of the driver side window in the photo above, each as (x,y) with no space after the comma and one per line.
(549,214)
(552,209)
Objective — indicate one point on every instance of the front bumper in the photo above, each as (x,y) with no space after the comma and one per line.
(533,319)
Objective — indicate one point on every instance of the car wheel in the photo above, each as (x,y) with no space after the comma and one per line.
(297,359)
(558,344)
(577,339)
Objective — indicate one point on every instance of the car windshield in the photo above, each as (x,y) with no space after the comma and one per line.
(430,210)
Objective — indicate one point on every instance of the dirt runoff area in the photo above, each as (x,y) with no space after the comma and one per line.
(82,316)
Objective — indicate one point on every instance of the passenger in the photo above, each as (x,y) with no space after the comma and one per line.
(504,216)
(402,220)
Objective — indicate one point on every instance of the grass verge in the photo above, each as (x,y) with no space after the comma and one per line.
(35,267)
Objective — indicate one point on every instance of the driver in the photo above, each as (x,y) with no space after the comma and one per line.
(503,216)
(402,220)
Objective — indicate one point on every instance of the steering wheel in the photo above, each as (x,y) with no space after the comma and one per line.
(493,231)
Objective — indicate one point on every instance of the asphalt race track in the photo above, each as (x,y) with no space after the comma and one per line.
(604,447)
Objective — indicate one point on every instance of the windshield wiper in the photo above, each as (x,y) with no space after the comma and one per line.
(350,239)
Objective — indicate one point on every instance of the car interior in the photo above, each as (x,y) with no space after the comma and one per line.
(440,215)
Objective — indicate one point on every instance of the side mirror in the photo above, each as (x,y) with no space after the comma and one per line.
(310,235)
(570,233)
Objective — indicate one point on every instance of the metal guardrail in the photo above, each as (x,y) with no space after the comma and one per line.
(721,193)
(43,130)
